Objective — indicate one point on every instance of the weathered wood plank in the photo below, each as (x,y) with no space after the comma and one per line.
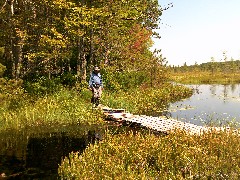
(161,124)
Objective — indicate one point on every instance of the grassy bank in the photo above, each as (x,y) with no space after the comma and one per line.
(126,155)
(131,155)
(69,106)
(146,156)
(146,100)
(201,77)
(63,107)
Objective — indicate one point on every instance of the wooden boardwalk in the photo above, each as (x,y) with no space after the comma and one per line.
(160,124)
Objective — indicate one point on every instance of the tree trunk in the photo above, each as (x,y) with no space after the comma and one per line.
(17,60)
(16,41)
(83,62)
(83,58)
(91,58)
(84,68)
(79,58)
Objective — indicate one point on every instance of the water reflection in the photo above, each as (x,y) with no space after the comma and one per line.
(35,154)
(210,104)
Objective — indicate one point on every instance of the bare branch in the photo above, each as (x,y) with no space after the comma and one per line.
(12,8)
(3,6)
(168,6)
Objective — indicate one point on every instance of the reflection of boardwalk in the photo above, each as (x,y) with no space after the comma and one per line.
(161,124)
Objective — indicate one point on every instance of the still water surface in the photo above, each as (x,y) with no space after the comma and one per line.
(210,104)
(35,153)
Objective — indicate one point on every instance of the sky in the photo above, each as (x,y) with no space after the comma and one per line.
(194,31)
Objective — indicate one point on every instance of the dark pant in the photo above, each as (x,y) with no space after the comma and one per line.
(96,94)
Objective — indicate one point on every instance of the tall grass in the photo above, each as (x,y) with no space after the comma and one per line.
(205,77)
(139,156)
(147,156)
(146,100)
(126,155)
(63,107)
(67,106)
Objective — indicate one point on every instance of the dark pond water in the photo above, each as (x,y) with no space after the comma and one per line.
(210,104)
(36,153)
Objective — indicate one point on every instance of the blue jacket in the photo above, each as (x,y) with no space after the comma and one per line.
(95,79)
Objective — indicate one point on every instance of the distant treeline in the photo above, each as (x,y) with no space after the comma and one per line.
(232,66)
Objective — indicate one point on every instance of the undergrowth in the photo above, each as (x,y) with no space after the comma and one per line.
(175,156)
(146,100)
(62,107)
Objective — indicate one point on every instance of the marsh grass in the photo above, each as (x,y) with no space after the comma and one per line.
(63,107)
(146,100)
(69,106)
(127,155)
(146,156)
(205,77)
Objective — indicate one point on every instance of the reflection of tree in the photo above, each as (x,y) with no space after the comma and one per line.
(233,88)
(168,114)
(225,91)
(33,156)
(196,89)
(11,166)
(239,90)
(213,89)
(45,153)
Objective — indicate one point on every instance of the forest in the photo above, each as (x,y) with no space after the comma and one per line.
(64,39)
(48,49)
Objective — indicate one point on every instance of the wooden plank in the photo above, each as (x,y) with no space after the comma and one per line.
(118,110)
(159,123)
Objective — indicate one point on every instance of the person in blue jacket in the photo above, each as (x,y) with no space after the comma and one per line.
(96,85)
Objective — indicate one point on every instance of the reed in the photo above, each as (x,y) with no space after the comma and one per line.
(146,156)
(68,106)
(202,77)
(146,100)
(62,107)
